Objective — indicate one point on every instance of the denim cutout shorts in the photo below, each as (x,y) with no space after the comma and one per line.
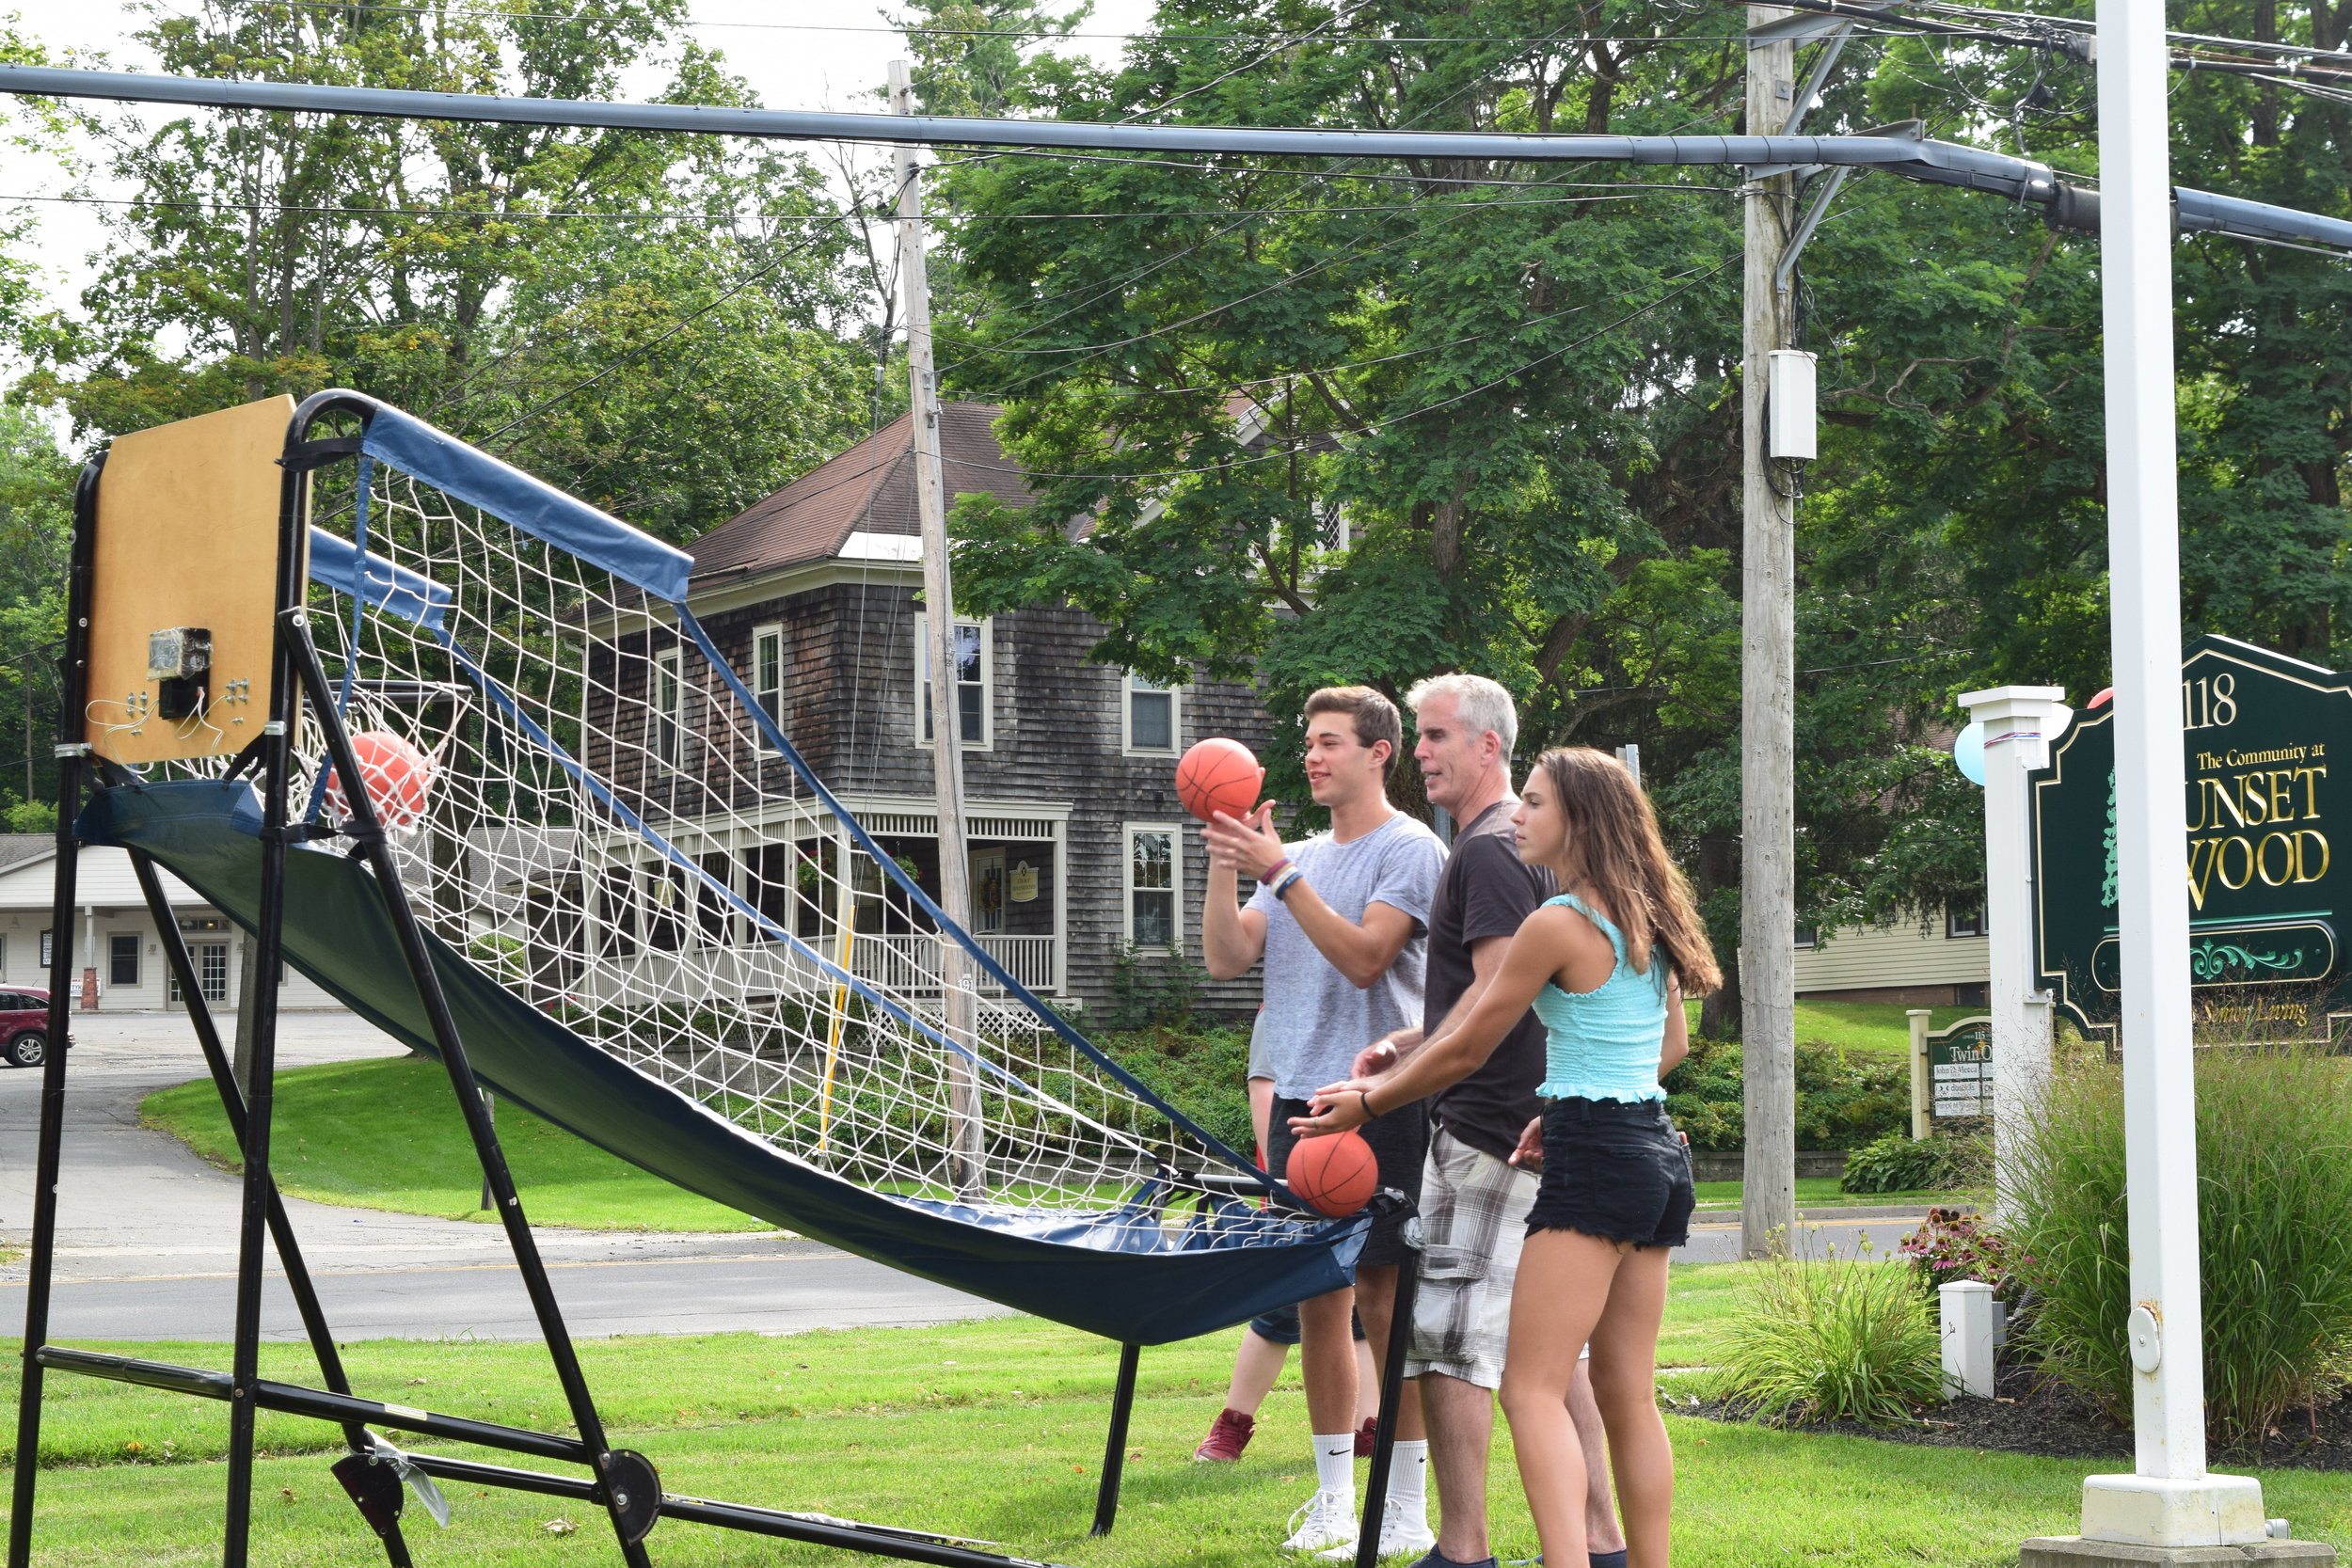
(1615,1169)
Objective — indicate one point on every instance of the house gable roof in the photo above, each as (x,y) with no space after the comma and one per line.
(869,489)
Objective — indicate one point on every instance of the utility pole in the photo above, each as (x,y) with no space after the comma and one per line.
(957,1002)
(1768,627)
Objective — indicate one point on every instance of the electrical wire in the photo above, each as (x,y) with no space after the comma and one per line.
(1047,35)
(1374,427)
(958,218)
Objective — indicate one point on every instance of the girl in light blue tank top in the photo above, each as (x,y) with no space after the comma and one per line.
(1605,1042)
(1615,1196)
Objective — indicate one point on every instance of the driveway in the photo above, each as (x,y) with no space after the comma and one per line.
(148,1232)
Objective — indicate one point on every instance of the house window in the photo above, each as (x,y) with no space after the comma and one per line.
(47,958)
(669,709)
(123,959)
(972,662)
(768,671)
(1153,875)
(1151,715)
(1963,921)
(212,973)
(1808,936)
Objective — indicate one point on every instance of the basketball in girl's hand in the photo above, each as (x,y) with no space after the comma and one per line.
(1218,775)
(1335,1174)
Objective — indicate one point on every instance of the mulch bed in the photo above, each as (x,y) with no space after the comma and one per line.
(2032,1414)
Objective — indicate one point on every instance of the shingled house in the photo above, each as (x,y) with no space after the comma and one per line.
(1079,850)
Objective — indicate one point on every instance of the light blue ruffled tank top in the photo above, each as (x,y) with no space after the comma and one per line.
(1605,1043)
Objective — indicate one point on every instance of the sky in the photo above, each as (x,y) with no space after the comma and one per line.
(796,53)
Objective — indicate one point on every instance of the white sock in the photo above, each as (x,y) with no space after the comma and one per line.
(1408,1480)
(1335,1465)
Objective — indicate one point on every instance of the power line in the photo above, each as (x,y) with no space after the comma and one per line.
(1278,39)
(1626,189)
(1375,426)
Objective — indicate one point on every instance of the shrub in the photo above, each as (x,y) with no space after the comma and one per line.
(1953,1246)
(1843,1100)
(1898,1163)
(1840,1340)
(1203,1075)
(2274,1183)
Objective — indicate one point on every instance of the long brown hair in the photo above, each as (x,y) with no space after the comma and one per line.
(1614,847)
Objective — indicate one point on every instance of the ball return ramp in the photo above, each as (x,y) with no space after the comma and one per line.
(586,867)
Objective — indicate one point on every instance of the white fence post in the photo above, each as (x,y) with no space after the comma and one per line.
(1967,1308)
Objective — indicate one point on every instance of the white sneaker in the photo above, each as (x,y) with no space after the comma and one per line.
(1327,1519)
(1400,1536)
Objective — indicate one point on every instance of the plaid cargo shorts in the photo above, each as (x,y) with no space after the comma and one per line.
(1473,1217)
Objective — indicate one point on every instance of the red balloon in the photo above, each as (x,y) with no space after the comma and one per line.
(2106,694)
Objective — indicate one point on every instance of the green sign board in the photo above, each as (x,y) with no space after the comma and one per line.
(2263,802)
(1959,1071)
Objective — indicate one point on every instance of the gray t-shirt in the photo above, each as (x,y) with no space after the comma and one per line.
(1314,1020)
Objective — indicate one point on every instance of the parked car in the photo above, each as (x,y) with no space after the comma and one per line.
(24,1027)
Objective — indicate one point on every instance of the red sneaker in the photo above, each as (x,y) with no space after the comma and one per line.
(1364,1435)
(1228,1435)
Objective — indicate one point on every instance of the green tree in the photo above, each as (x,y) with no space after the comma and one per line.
(655,321)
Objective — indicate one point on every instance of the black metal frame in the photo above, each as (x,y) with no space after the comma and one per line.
(624,1483)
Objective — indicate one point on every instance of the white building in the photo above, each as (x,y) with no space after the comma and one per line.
(1941,962)
(119,952)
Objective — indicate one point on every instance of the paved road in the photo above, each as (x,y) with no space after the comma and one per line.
(148,1232)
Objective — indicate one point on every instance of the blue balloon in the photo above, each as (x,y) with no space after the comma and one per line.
(1968,753)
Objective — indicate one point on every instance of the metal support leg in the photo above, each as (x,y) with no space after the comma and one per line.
(48,1155)
(1392,1394)
(1115,1446)
(369,830)
(50,1146)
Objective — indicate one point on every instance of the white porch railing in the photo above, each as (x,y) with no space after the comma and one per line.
(908,963)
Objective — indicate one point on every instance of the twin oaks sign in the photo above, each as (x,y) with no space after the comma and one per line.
(2268,792)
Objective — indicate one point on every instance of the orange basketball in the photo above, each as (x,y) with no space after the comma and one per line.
(1218,775)
(397,774)
(1336,1173)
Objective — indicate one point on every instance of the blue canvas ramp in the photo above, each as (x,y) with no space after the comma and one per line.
(1106,1270)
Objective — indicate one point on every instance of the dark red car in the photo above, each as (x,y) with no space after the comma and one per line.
(24,1027)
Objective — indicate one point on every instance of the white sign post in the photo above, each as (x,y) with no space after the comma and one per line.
(2019,723)
(2169,1501)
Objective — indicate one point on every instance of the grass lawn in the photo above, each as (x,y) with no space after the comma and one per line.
(991,1430)
(1884,1026)
(386,1135)
(1821,1192)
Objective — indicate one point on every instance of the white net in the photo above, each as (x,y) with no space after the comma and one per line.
(584,806)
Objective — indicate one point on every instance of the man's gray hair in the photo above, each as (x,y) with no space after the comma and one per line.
(1480,704)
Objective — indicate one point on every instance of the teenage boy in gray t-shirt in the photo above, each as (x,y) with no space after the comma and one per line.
(1341,921)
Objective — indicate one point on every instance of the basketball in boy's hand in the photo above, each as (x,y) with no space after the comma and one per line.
(1218,775)
(1335,1174)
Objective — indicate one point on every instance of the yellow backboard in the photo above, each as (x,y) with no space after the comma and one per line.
(187,538)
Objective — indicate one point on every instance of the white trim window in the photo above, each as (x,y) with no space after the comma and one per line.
(1962,921)
(974,662)
(1152,717)
(666,719)
(1155,882)
(767,682)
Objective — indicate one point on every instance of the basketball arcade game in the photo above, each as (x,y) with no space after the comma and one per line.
(221,679)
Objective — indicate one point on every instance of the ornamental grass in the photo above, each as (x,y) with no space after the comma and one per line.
(2274,1169)
(1840,1339)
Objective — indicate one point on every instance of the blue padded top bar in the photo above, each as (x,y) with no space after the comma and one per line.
(537,508)
(375,582)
